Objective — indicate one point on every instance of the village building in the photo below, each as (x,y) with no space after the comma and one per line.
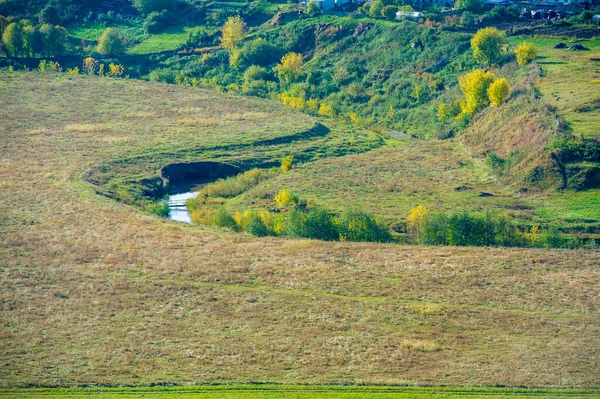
(409,14)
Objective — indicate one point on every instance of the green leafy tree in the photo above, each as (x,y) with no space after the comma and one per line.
(467,5)
(320,224)
(46,31)
(376,8)
(498,92)
(49,15)
(111,42)
(49,40)
(260,52)
(55,39)
(467,19)
(223,218)
(148,6)
(4,22)
(487,45)
(158,21)
(233,33)
(255,72)
(13,39)
(359,226)
(27,39)
(312,8)
(525,53)
(389,12)
(255,225)
(474,86)
(447,111)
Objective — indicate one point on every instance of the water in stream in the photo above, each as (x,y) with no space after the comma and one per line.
(181,192)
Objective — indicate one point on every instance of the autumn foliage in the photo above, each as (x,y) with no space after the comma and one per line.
(290,67)
(525,53)
(474,86)
(498,92)
(488,44)
(233,33)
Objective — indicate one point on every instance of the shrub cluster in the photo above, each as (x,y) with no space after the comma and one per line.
(575,150)
(301,222)
(157,21)
(487,229)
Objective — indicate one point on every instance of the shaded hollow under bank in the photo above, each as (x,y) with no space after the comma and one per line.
(184,180)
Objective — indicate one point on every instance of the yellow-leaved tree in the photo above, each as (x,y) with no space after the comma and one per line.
(326,110)
(415,218)
(525,53)
(474,86)
(233,33)
(498,92)
(290,67)
(284,198)
(286,163)
(487,45)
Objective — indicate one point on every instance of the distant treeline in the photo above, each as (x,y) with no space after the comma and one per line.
(22,39)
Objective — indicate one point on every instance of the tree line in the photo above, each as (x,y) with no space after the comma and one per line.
(22,39)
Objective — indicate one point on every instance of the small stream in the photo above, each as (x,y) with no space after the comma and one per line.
(181,192)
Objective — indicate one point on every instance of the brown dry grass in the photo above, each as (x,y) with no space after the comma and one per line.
(94,291)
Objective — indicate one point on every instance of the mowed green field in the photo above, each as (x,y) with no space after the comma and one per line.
(97,292)
(170,39)
(298,392)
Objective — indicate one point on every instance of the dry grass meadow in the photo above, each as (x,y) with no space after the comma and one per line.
(98,292)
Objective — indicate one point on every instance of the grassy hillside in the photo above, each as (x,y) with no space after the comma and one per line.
(359,66)
(390,181)
(98,292)
(392,75)
(538,137)
(570,83)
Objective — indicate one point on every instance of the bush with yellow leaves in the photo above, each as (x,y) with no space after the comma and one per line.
(286,163)
(284,198)
(498,92)
(525,53)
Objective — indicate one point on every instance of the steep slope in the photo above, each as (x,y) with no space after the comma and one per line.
(545,136)
(515,138)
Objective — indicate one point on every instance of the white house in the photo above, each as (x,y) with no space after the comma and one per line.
(409,14)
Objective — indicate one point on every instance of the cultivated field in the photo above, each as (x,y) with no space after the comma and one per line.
(98,292)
